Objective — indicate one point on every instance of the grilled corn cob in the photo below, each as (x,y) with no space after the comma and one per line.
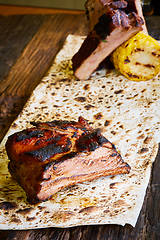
(138,58)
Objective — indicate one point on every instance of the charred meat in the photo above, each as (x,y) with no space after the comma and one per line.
(54,155)
(116,25)
(96,8)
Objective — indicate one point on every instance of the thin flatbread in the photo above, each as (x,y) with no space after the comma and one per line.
(128,114)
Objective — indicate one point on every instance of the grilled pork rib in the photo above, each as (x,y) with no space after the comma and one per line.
(54,155)
(117,24)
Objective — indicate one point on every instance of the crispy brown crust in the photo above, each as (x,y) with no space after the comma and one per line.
(54,155)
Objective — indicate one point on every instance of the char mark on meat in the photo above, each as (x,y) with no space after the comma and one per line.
(43,164)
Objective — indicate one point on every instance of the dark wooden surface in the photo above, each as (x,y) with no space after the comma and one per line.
(28,45)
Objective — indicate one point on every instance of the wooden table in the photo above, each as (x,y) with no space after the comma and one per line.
(35,36)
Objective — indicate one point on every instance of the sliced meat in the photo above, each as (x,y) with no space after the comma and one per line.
(113,28)
(54,155)
(103,161)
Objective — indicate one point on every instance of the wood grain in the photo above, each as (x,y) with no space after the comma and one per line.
(6,10)
(31,57)
(28,46)
(17,32)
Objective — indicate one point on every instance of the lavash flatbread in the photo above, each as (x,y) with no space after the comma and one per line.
(127,112)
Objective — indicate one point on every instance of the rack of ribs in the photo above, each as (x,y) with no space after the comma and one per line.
(119,22)
(53,155)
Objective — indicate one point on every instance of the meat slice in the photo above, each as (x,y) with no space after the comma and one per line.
(113,28)
(54,155)
(103,161)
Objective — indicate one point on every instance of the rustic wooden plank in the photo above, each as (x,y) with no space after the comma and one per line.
(153,204)
(155,174)
(13,99)
(6,10)
(16,32)
(14,235)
